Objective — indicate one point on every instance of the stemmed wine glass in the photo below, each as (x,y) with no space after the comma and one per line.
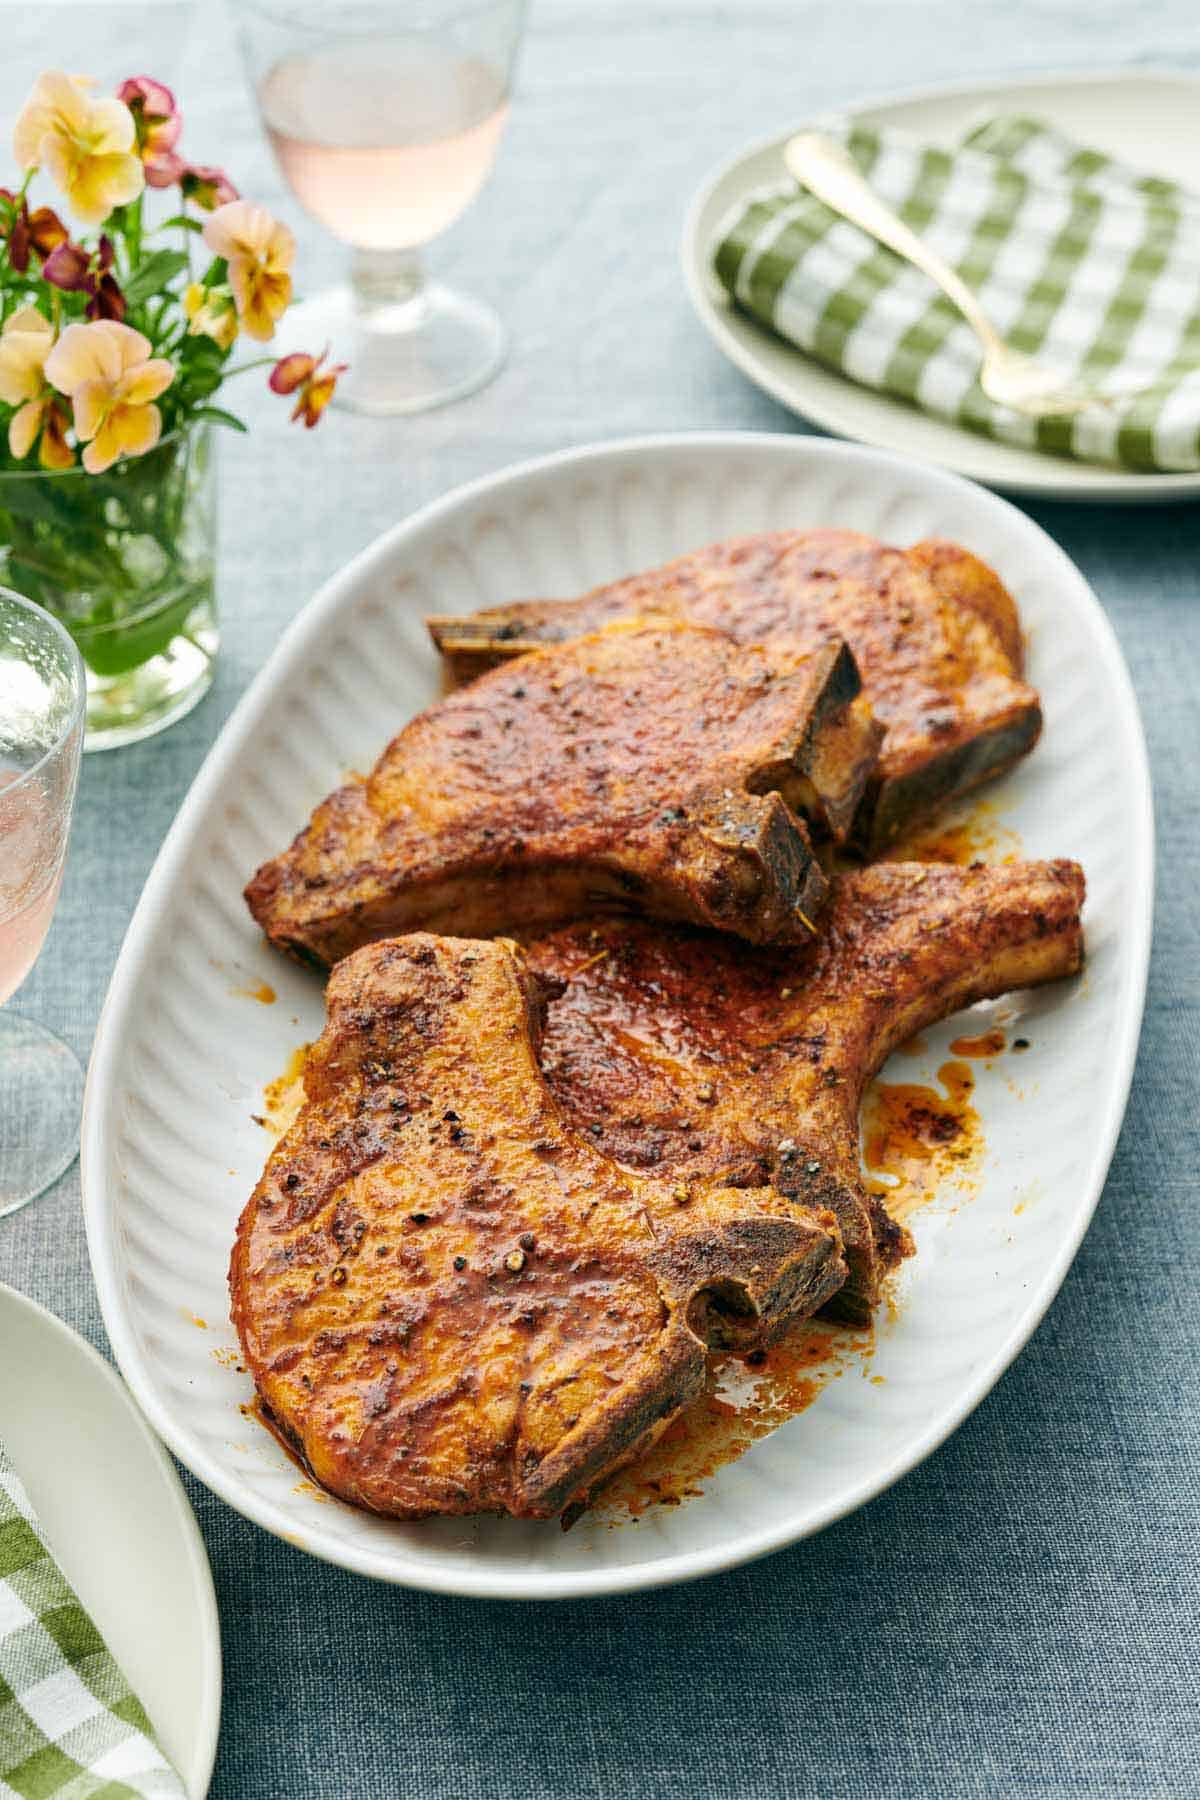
(43,699)
(385,120)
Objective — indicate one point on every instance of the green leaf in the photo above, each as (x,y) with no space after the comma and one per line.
(198,384)
(116,652)
(219,416)
(202,350)
(180,221)
(159,268)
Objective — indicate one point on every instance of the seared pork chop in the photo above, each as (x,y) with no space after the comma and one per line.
(450,1300)
(653,767)
(933,631)
(969,583)
(694,1056)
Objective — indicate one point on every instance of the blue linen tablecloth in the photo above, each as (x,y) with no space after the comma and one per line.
(1019,1616)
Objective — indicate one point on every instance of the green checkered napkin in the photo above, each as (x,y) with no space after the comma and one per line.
(70,1727)
(1087,265)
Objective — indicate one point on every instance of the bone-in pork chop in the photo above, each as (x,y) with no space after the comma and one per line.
(934,633)
(694,1056)
(656,767)
(450,1299)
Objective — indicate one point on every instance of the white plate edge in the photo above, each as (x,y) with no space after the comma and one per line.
(198,1777)
(97,1216)
(1087,483)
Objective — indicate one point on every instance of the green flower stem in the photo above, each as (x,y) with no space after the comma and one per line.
(133,232)
(260,362)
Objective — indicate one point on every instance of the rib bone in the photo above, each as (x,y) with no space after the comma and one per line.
(450,1300)
(652,768)
(933,630)
(694,1056)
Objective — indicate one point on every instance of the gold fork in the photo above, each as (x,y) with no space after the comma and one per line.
(1007,376)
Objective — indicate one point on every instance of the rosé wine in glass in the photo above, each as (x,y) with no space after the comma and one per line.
(42,704)
(385,144)
(386,121)
(28,891)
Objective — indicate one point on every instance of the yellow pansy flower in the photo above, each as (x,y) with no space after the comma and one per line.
(259,252)
(112,381)
(87,145)
(25,343)
(212,313)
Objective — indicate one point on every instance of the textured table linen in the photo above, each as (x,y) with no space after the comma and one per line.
(1019,1616)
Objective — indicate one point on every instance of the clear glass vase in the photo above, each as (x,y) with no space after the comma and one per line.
(127,561)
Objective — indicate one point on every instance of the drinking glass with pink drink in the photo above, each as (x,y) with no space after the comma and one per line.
(42,703)
(386,120)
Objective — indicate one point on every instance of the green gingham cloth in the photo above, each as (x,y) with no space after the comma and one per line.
(1088,265)
(70,1726)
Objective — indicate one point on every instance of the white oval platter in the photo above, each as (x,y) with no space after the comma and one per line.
(1146,117)
(170,1148)
(115,1515)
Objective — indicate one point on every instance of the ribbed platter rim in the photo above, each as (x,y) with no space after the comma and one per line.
(102,1205)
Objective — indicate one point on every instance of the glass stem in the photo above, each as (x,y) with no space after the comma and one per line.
(389,289)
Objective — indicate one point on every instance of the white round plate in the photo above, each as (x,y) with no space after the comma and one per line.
(171,1151)
(116,1517)
(1147,118)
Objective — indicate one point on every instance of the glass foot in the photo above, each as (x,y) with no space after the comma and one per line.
(41,1094)
(421,352)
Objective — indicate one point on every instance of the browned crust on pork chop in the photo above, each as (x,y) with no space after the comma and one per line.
(933,630)
(450,1300)
(694,1056)
(653,767)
